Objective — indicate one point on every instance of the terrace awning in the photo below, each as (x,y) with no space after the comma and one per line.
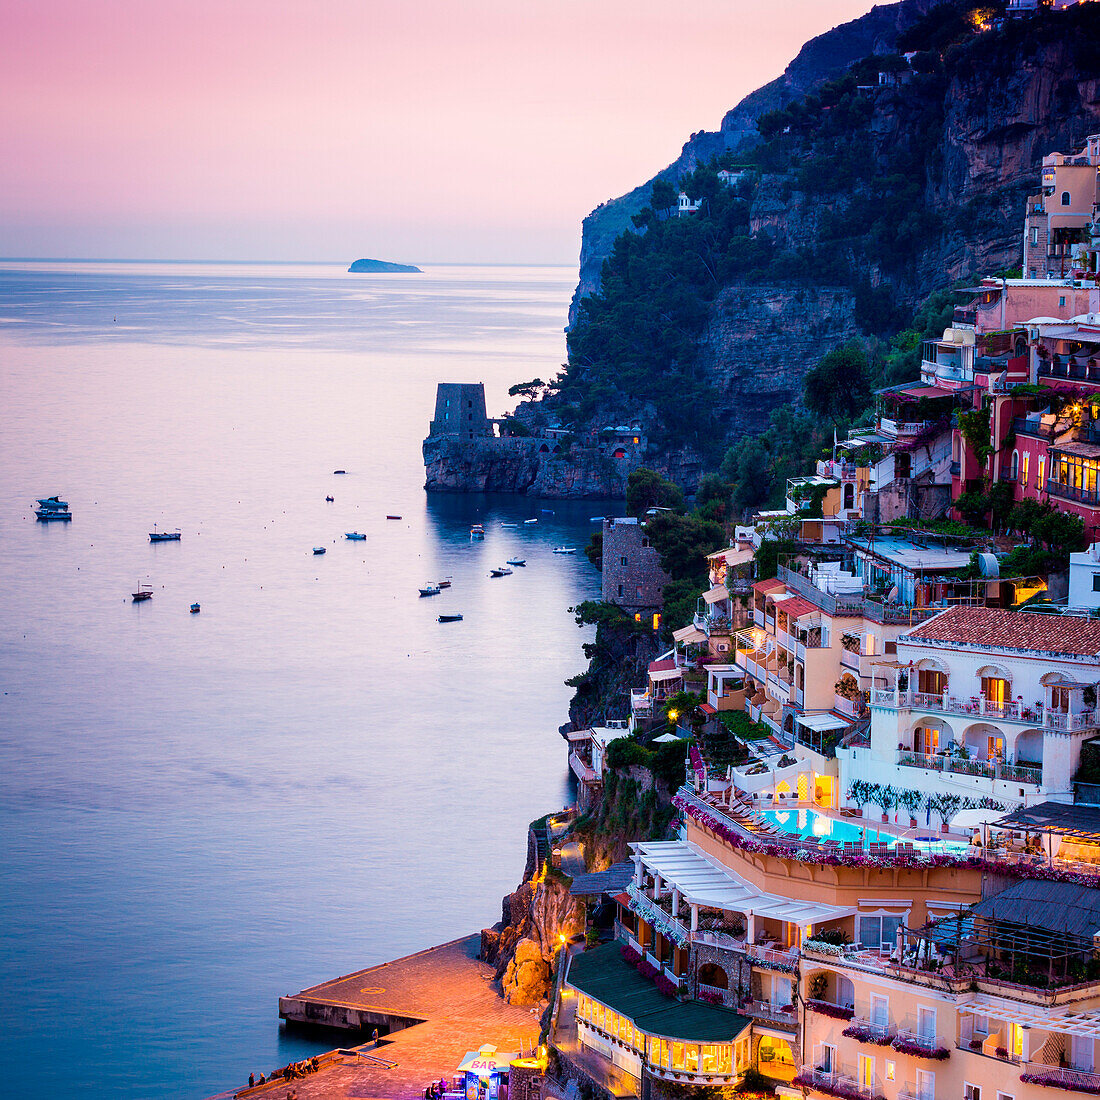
(1055,817)
(688,635)
(665,674)
(701,880)
(717,593)
(1086,1024)
(820,723)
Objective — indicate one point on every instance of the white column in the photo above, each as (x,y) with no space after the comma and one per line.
(1025,1043)
(638,872)
(656,885)
(695,918)
(675,900)
(751,928)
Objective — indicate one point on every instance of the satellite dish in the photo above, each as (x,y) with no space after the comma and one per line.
(892,595)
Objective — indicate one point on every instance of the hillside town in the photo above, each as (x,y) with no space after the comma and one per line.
(881,879)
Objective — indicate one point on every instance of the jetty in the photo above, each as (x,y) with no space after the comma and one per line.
(430,1009)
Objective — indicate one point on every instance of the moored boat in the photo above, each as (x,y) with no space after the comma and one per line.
(528,522)
(454,617)
(517,561)
(355,536)
(52,504)
(430,590)
(393,517)
(164,536)
(144,592)
(318,549)
(329,500)
(445,583)
(500,571)
(477,531)
(506,526)
(195,609)
(48,515)
(565,549)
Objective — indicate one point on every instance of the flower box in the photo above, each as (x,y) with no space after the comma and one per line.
(825,1008)
(919,1050)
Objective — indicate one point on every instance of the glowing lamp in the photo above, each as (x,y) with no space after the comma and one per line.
(673,715)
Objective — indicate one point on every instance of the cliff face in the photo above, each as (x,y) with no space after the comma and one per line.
(819,60)
(952,156)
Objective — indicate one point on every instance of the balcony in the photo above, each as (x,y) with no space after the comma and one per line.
(1038,717)
(833,1083)
(641,702)
(1072,492)
(847,708)
(581,768)
(879,1034)
(782,1016)
(771,959)
(901,429)
(927,1046)
(658,919)
(986,769)
(724,941)
(1060,1077)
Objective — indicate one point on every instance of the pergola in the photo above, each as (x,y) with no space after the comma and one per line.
(701,881)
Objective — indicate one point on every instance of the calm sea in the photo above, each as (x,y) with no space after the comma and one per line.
(312,775)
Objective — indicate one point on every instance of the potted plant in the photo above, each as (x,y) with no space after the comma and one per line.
(911,801)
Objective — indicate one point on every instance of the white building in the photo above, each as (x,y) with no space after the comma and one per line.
(985,703)
(687,205)
(1084,578)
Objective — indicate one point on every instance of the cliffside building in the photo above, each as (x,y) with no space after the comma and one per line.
(460,411)
(632,574)
(1061,218)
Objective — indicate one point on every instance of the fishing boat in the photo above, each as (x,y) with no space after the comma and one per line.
(528,522)
(445,583)
(318,549)
(517,561)
(477,531)
(48,515)
(164,536)
(195,609)
(393,517)
(506,526)
(52,504)
(144,592)
(500,571)
(565,549)
(355,536)
(430,590)
(454,617)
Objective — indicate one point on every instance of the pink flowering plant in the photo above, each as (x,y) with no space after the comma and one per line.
(825,1008)
(864,1034)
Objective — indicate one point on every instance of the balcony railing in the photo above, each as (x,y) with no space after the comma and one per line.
(646,908)
(926,1043)
(765,1010)
(987,769)
(978,706)
(722,940)
(1072,492)
(878,1031)
(1061,1077)
(772,959)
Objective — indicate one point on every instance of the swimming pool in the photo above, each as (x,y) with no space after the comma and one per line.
(805,822)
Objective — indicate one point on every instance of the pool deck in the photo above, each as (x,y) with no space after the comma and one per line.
(873,830)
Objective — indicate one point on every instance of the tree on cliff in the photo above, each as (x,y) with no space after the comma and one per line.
(529,391)
(647,489)
(839,387)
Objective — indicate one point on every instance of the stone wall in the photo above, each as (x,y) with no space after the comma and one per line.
(632,573)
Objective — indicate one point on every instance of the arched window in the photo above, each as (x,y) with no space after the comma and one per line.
(1065,198)
(713,975)
(849,495)
(1015,465)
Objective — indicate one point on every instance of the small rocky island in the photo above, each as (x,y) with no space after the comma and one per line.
(361,267)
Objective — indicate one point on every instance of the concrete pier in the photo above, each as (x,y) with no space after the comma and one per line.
(437,1005)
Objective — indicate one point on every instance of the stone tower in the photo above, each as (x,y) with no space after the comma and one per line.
(460,411)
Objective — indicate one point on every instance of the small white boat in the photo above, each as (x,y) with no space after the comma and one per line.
(430,590)
(52,504)
(318,549)
(528,522)
(517,561)
(355,536)
(144,592)
(445,583)
(506,526)
(477,531)
(500,571)
(565,549)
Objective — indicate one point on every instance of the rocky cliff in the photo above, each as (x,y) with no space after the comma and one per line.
(819,59)
(869,197)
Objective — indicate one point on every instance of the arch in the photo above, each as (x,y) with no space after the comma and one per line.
(849,495)
(1065,198)
(1028,747)
(929,735)
(930,664)
(713,975)
(994,672)
(788,724)
(619,453)
(544,450)
(1015,467)
(985,741)
(1054,678)
(782,788)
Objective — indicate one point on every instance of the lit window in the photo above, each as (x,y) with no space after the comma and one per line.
(889,1070)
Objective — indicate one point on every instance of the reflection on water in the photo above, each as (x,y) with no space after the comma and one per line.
(202,812)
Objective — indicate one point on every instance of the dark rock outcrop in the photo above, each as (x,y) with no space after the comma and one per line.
(365,267)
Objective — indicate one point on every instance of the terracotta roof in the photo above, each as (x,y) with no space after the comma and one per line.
(706,708)
(796,607)
(768,586)
(1020,630)
(662,666)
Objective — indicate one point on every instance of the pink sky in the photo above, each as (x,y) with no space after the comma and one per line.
(418,130)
